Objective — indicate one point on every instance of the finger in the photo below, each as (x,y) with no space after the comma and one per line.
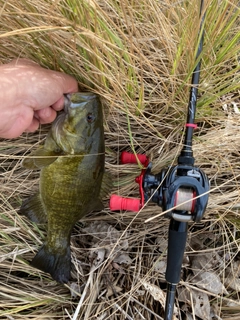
(19,119)
(51,89)
(68,83)
(58,105)
(46,115)
(33,126)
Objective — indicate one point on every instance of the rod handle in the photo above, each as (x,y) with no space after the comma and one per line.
(177,238)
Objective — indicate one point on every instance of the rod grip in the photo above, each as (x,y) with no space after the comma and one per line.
(177,238)
(120,203)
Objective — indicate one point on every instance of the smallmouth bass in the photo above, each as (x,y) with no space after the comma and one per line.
(72,179)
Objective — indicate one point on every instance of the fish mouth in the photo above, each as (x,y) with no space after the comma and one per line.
(67,102)
(74,100)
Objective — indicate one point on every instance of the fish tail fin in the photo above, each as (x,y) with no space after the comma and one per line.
(58,265)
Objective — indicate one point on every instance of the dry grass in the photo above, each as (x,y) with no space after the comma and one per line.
(139,57)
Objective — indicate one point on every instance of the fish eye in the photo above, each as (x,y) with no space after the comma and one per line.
(90,117)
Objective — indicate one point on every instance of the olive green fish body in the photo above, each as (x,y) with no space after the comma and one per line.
(71,193)
(71,179)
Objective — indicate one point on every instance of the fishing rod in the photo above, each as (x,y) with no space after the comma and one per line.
(181,190)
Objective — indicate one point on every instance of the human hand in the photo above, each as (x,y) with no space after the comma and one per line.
(30,95)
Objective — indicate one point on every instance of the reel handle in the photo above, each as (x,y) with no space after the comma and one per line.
(130,204)
(128,157)
(121,203)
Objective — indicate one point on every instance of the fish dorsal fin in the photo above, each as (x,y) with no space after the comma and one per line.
(40,158)
(106,185)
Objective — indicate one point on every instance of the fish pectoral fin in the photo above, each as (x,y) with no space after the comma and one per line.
(33,209)
(39,159)
(96,206)
(57,264)
(106,185)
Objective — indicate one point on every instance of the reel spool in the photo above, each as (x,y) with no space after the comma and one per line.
(185,199)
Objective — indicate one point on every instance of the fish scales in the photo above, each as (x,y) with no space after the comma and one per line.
(70,182)
(72,179)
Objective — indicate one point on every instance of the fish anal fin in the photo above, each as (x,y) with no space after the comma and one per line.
(33,209)
(57,264)
(106,185)
(97,206)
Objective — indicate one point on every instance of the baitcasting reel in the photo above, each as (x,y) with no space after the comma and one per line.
(181,190)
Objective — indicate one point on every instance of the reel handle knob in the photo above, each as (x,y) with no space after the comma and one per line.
(121,203)
(128,157)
